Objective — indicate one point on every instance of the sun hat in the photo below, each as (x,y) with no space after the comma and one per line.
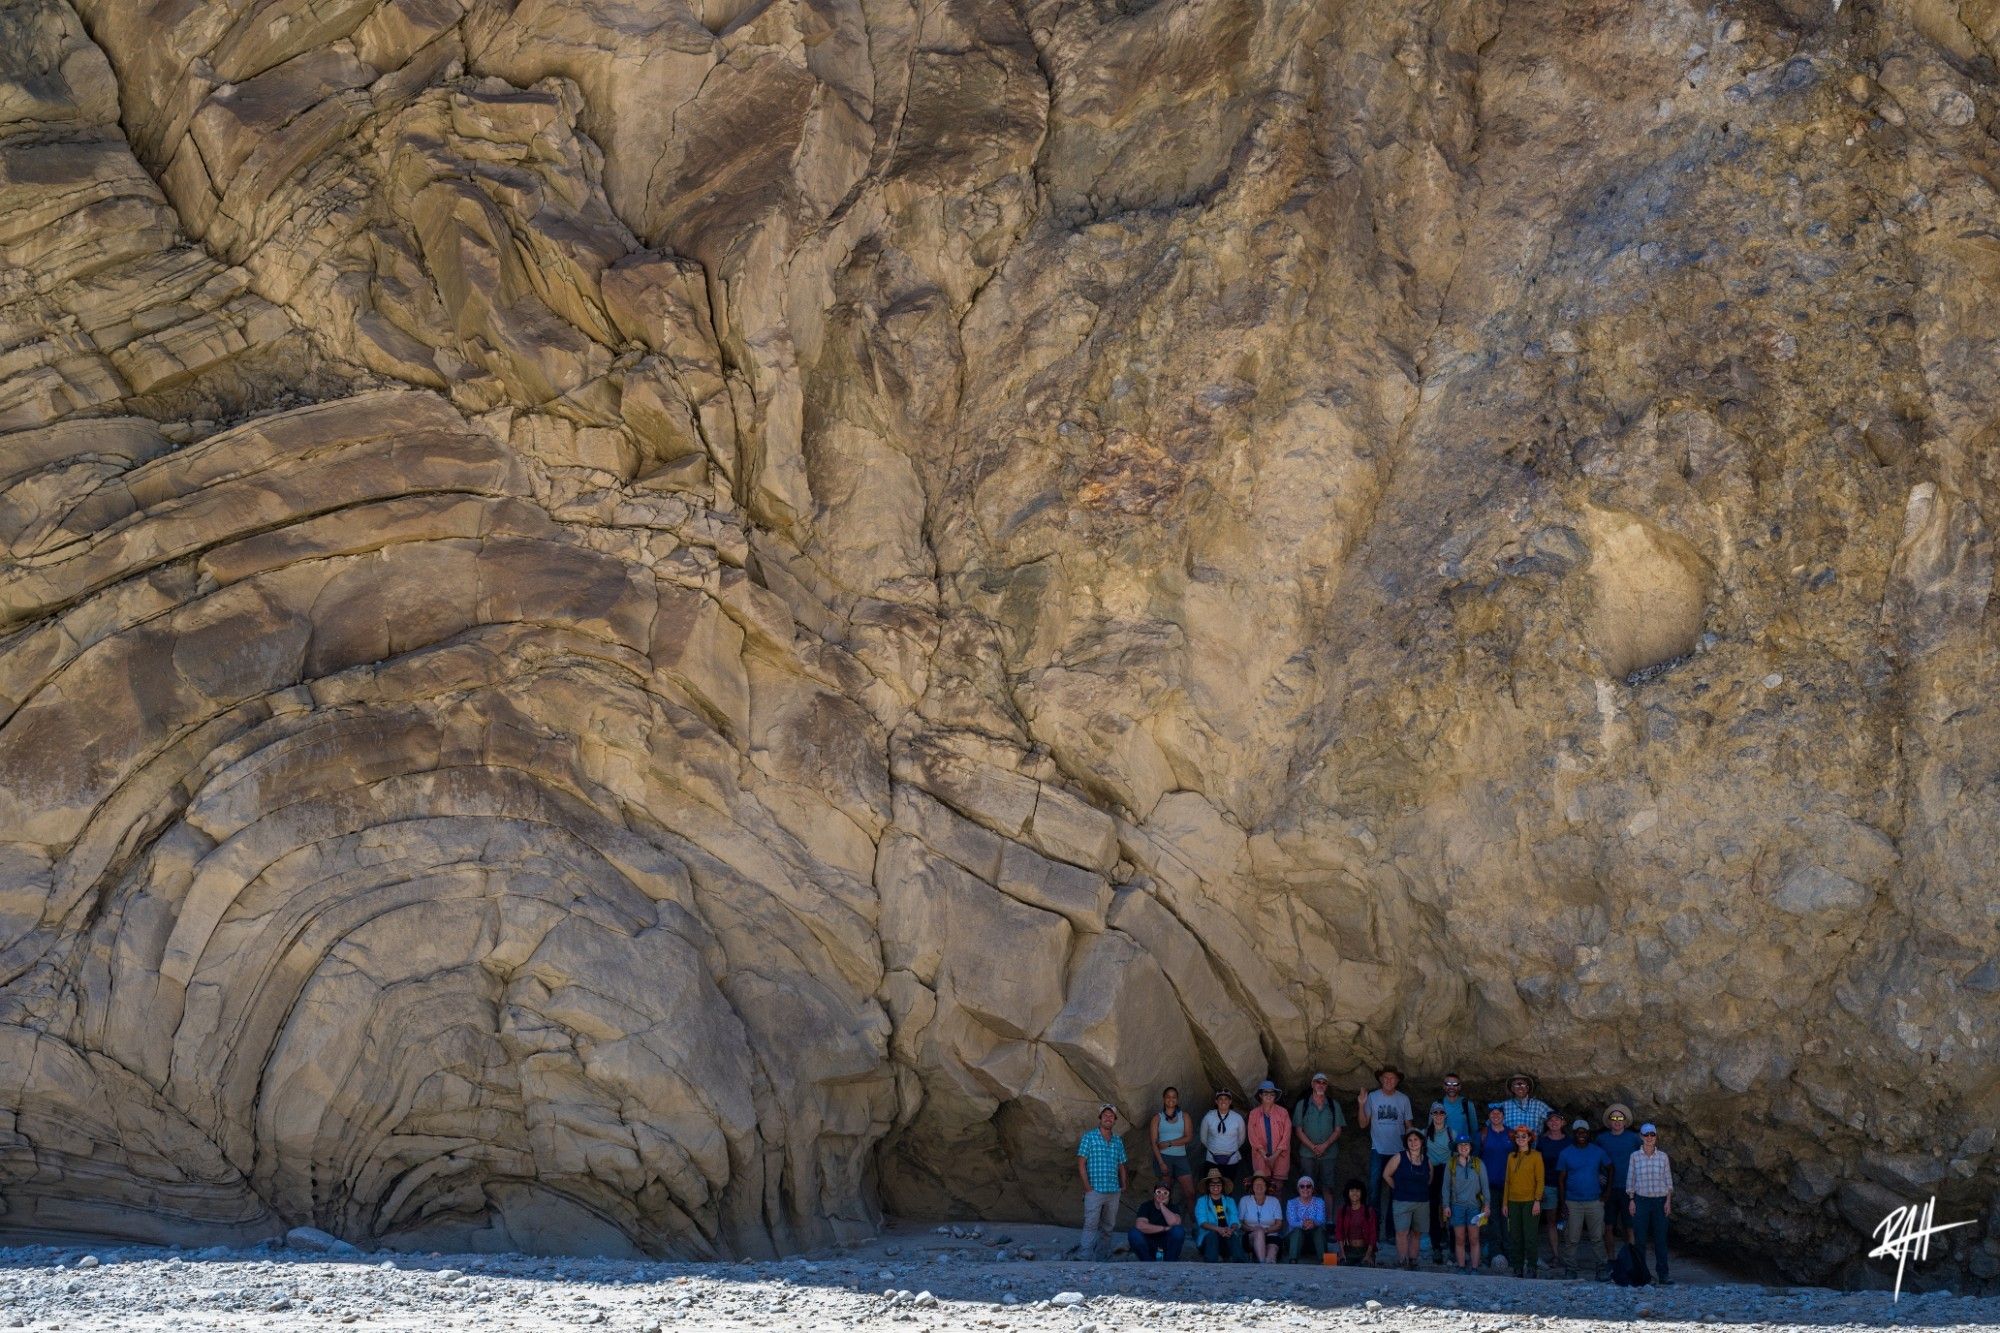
(1526,1078)
(1619,1109)
(1266,1086)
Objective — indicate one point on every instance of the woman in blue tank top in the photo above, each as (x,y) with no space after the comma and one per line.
(1409,1181)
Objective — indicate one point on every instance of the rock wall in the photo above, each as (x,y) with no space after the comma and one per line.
(646,625)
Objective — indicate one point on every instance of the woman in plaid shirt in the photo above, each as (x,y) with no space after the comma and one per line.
(1649,1190)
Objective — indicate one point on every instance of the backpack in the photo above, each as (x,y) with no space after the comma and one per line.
(1628,1269)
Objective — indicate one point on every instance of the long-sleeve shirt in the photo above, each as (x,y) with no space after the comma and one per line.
(1530,1111)
(1525,1178)
(1298,1212)
(1205,1212)
(1649,1175)
(1465,1186)
(1354,1226)
(1271,1141)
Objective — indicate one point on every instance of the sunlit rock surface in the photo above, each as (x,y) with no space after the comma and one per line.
(639,625)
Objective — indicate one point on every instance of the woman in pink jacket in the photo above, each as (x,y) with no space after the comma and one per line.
(1270,1136)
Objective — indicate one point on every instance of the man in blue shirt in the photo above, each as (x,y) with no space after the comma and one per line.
(1583,1170)
(1461,1113)
(1495,1145)
(1618,1143)
(1100,1164)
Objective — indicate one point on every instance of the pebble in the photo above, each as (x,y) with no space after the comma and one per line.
(88,1261)
(1066,1299)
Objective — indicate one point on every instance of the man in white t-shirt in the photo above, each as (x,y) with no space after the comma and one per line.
(1385,1114)
(1222,1135)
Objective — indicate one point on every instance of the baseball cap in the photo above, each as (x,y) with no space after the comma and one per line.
(1581,1123)
(1320,1078)
(1463,1139)
(1437,1108)
(1107,1107)
(1648,1128)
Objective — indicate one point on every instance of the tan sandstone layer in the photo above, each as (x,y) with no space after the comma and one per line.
(648,625)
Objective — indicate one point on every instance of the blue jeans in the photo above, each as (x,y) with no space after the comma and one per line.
(1377,1163)
(1161,1245)
(1650,1222)
(1216,1248)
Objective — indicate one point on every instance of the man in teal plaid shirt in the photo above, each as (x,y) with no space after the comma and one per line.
(1100,1163)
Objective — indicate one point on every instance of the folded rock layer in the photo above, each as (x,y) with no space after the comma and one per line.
(640,625)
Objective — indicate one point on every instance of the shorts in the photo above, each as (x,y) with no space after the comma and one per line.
(1464,1215)
(1412,1216)
(1176,1166)
(1549,1200)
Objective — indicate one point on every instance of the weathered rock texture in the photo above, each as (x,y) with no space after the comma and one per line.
(647,624)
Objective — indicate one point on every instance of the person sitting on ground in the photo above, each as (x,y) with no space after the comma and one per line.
(1468,1199)
(1409,1180)
(1619,1143)
(1317,1122)
(1354,1227)
(1550,1144)
(1172,1133)
(1222,1134)
(1215,1221)
(1495,1144)
(1305,1225)
(1582,1170)
(1385,1114)
(1437,1147)
(1270,1132)
(1157,1232)
(1524,1203)
(1263,1221)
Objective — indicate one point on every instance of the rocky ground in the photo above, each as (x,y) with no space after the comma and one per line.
(919,1280)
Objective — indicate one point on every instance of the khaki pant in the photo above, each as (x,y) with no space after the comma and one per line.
(1586,1223)
(1100,1217)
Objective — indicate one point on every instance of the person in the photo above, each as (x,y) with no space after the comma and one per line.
(1171,1135)
(1317,1122)
(1581,1171)
(1524,1203)
(1468,1199)
(1270,1131)
(1461,1113)
(1216,1221)
(1354,1227)
(1619,1143)
(1100,1164)
(1385,1114)
(1437,1148)
(1496,1145)
(1649,1189)
(1305,1224)
(1263,1221)
(1522,1107)
(1222,1132)
(1408,1176)
(1550,1145)
(1156,1232)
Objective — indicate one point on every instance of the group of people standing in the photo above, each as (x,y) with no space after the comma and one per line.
(1475,1184)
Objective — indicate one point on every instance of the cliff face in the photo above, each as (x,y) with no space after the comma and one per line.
(639,624)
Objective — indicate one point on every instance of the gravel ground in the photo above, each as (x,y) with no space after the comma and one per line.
(915,1281)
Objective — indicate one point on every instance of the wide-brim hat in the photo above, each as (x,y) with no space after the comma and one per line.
(1524,1076)
(1216,1177)
(1618,1108)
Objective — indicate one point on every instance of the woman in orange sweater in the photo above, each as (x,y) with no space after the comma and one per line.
(1525,1181)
